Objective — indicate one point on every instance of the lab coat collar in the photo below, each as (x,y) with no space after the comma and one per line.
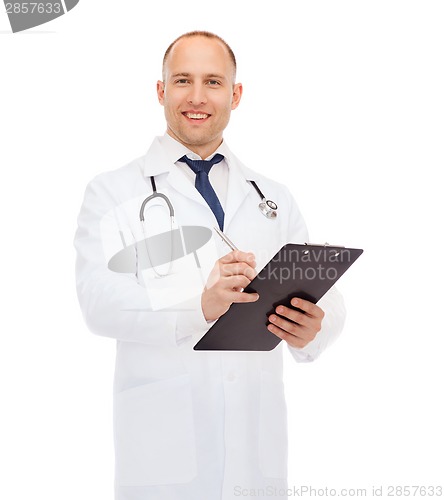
(156,160)
(160,160)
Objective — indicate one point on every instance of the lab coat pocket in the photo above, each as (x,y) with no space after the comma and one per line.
(272,427)
(154,433)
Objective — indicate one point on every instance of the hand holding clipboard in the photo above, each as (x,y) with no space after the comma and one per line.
(306,272)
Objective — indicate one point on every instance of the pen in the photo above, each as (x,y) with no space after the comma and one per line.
(226,239)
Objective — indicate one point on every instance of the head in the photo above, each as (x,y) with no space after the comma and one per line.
(198,90)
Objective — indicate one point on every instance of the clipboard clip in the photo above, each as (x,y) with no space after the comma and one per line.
(323,245)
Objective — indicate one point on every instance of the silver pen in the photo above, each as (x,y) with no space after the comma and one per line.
(226,239)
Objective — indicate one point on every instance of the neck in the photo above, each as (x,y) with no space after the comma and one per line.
(203,150)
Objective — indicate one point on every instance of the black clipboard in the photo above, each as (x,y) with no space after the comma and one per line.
(304,271)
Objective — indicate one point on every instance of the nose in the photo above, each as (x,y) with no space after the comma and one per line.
(197,94)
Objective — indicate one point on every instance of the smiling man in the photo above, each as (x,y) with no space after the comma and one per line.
(198,92)
(194,425)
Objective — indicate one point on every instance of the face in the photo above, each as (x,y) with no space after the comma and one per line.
(198,93)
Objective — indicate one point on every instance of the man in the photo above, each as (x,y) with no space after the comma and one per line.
(189,424)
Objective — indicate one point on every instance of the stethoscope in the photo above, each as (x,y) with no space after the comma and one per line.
(267,207)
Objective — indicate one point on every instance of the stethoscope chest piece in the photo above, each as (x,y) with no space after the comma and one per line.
(268,208)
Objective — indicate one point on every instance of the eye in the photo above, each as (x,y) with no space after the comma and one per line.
(182,81)
(214,83)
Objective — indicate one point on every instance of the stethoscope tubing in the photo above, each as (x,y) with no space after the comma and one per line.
(267,207)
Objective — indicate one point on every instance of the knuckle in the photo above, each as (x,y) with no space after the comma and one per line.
(299,342)
(298,317)
(293,328)
(243,281)
(226,269)
(281,334)
(250,273)
(309,308)
(222,267)
(247,271)
(226,258)
(311,336)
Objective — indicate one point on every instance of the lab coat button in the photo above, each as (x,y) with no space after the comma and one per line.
(231,377)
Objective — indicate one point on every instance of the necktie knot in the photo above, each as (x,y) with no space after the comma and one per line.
(198,166)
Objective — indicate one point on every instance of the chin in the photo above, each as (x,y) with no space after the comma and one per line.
(197,140)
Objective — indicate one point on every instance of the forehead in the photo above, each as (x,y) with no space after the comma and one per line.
(199,55)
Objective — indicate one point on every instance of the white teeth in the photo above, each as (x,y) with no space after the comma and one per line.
(197,116)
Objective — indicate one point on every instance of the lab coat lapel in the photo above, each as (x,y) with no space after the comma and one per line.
(177,180)
(238,189)
(157,162)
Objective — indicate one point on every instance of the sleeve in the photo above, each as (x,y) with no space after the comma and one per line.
(114,304)
(331,303)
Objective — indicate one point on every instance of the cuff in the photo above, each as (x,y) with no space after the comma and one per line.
(191,324)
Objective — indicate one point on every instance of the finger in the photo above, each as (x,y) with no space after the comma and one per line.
(308,307)
(242,297)
(307,333)
(239,256)
(233,282)
(238,268)
(298,317)
(286,325)
(288,337)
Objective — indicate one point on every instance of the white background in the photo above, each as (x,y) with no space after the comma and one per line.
(343,101)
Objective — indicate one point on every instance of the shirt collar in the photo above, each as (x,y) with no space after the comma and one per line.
(175,150)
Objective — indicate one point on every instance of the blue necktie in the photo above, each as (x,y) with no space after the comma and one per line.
(202,168)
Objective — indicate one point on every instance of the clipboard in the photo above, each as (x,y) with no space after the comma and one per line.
(305,271)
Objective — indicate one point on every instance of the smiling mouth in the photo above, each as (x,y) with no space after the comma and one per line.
(196,116)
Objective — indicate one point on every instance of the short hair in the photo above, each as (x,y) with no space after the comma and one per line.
(206,34)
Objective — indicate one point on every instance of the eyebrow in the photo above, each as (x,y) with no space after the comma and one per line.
(212,75)
(209,75)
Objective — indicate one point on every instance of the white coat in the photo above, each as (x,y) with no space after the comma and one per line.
(189,425)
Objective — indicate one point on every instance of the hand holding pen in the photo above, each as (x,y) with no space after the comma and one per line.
(230,275)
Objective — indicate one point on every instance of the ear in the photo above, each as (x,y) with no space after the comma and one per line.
(160,91)
(237,94)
